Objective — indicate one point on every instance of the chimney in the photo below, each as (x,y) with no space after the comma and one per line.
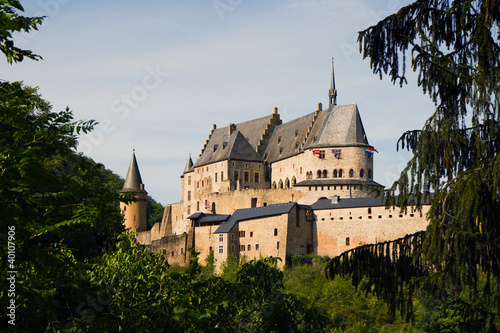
(335,199)
(231,129)
(320,106)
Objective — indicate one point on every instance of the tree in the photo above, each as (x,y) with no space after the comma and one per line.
(56,206)
(11,21)
(455,47)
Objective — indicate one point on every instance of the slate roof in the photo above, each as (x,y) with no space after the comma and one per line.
(133,179)
(288,138)
(254,213)
(338,126)
(189,166)
(342,126)
(221,147)
(201,217)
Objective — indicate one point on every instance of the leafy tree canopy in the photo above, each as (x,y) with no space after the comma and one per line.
(455,48)
(12,22)
(60,205)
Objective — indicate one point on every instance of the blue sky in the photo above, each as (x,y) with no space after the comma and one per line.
(159,74)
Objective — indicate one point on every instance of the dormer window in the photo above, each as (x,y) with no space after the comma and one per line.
(215,148)
(296,133)
(281,150)
(224,145)
(279,139)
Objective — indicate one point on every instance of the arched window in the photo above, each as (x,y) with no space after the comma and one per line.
(319,174)
(370,174)
(287,183)
(347,241)
(351,173)
(362,173)
(280,184)
(325,174)
(274,184)
(335,173)
(294,180)
(213,207)
(340,173)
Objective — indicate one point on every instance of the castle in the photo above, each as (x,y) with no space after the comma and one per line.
(266,188)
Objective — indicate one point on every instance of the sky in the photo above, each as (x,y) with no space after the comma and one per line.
(158,74)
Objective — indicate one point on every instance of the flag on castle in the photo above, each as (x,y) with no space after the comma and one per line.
(370,151)
(316,152)
(334,152)
(207,206)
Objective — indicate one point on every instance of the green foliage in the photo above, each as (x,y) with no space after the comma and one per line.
(56,200)
(347,309)
(12,22)
(455,46)
(154,211)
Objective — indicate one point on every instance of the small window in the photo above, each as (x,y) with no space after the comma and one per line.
(236,175)
(215,148)
(242,248)
(340,173)
(335,174)
(216,177)
(256,247)
(221,237)
(246,176)
(256,177)
(221,249)
(362,173)
(251,233)
(351,173)
(275,231)
(279,139)
(296,133)
(242,233)
(249,247)
(281,150)
(278,245)
(347,241)
(369,210)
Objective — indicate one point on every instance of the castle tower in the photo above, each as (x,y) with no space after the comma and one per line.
(332,93)
(135,212)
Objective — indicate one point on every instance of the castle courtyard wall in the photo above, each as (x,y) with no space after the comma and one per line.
(339,230)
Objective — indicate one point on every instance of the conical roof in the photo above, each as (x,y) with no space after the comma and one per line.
(133,181)
(189,165)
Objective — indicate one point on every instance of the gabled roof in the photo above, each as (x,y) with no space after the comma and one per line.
(254,213)
(222,147)
(133,179)
(288,138)
(341,127)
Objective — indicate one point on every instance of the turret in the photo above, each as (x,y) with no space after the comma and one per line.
(134,212)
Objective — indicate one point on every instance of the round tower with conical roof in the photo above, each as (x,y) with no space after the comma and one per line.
(134,212)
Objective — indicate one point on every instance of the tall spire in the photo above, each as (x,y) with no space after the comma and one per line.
(332,93)
(133,181)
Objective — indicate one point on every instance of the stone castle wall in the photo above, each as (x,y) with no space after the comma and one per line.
(339,230)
